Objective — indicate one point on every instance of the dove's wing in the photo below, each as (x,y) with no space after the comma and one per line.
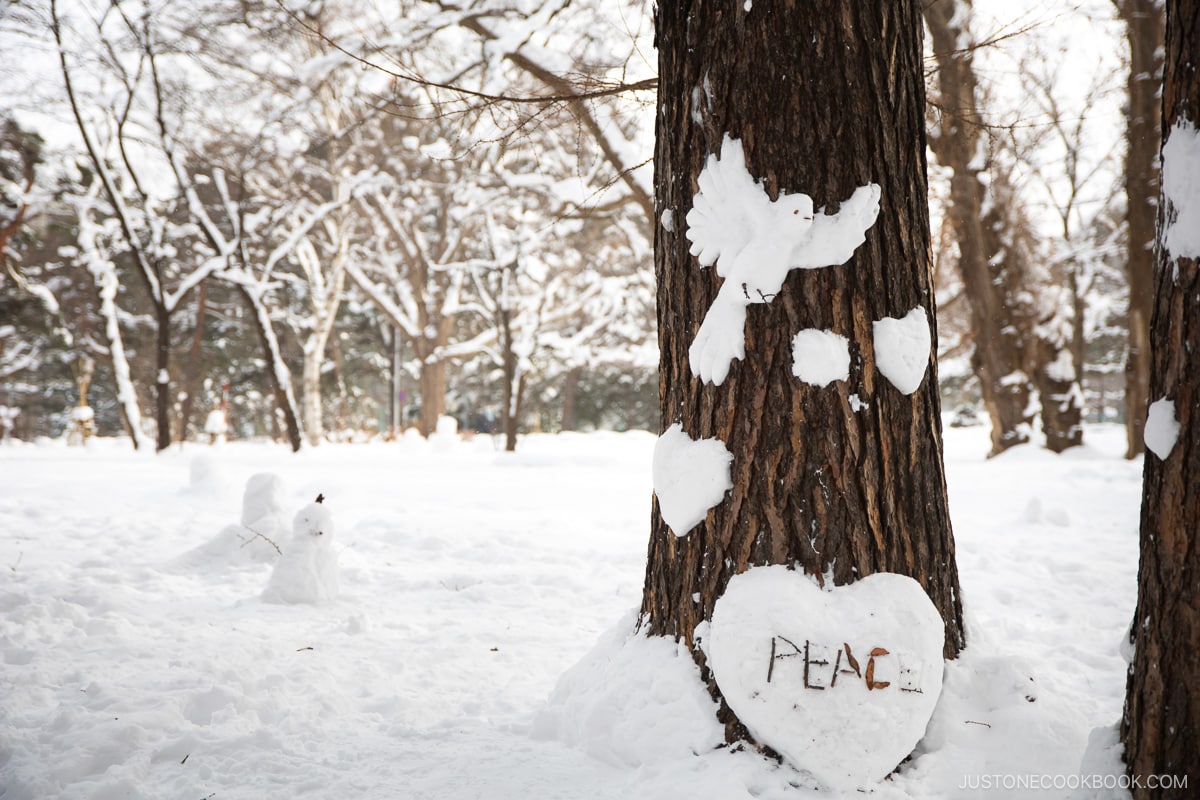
(835,237)
(727,209)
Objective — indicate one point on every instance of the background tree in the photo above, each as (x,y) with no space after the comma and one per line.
(1161,724)
(843,480)
(127,50)
(993,278)
(1067,173)
(226,131)
(1144,34)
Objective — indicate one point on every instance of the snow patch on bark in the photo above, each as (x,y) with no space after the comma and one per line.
(1162,428)
(820,357)
(1181,188)
(902,349)
(690,477)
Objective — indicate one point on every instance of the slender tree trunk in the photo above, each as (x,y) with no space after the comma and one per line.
(1161,725)
(325,305)
(310,392)
(105,276)
(343,396)
(513,386)
(570,402)
(433,395)
(513,418)
(1062,404)
(395,407)
(1000,358)
(278,375)
(843,480)
(162,378)
(191,379)
(1058,340)
(1144,32)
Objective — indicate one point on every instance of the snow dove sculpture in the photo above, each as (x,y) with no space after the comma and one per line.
(754,242)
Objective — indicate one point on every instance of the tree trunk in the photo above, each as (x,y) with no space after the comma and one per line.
(278,375)
(105,276)
(1061,400)
(846,479)
(1161,725)
(514,387)
(512,420)
(1144,31)
(310,391)
(325,296)
(991,282)
(343,396)
(191,380)
(162,378)
(570,399)
(433,395)
(1058,340)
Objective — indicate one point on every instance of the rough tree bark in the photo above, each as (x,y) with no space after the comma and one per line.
(1144,31)
(1161,724)
(1000,358)
(843,480)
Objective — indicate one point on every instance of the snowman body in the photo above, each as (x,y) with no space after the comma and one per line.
(307,572)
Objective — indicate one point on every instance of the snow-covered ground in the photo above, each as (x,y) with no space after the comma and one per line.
(480,645)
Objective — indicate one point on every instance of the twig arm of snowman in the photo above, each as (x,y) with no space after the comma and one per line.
(755,242)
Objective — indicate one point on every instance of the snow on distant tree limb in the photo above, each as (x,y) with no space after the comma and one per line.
(104,273)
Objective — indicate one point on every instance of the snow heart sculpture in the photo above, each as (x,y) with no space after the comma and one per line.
(902,349)
(841,683)
(690,477)
(755,242)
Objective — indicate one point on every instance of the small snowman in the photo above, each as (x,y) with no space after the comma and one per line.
(264,521)
(307,572)
(262,506)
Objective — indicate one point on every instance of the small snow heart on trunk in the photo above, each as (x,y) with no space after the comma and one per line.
(690,477)
(902,349)
(841,683)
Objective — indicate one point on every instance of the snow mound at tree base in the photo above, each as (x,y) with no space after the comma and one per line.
(632,700)
(636,703)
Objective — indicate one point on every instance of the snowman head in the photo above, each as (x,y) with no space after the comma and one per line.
(313,520)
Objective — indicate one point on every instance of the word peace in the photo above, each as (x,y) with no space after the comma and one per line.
(823,664)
